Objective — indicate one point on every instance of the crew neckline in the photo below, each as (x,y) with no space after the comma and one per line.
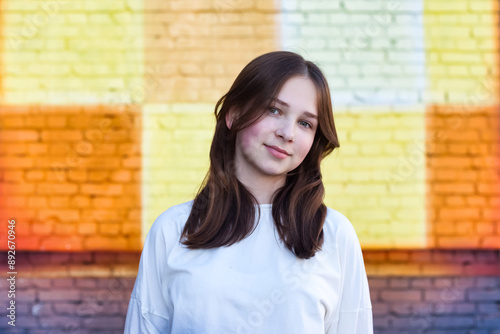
(266,205)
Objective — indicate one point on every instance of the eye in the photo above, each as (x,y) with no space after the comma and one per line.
(273,111)
(305,124)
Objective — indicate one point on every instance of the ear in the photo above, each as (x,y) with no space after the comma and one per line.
(230,117)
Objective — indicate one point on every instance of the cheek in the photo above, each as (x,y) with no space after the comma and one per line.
(248,137)
(305,145)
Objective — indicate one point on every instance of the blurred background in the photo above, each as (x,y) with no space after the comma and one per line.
(106,117)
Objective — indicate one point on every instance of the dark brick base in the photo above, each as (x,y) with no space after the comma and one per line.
(402,304)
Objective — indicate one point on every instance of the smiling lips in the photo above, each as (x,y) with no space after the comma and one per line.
(277,152)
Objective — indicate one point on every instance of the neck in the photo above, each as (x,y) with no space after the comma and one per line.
(263,189)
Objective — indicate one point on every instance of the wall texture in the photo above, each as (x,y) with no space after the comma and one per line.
(106,117)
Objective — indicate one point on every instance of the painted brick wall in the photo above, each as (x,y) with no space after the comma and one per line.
(71,177)
(447,291)
(106,119)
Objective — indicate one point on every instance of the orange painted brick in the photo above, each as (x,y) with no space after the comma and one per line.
(109,229)
(132,228)
(56,121)
(134,214)
(31,242)
(491,214)
(12,122)
(465,227)
(133,162)
(105,149)
(61,135)
(59,175)
(121,176)
(453,188)
(61,214)
(103,202)
(35,122)
(34,175)
(485,228)
(80,202)
(445,228)
(13,176)
(117,136)
(102,214)
(59,201)
(56,188)
(42,228)
(64,229)
(103,190)
(16,189)
(16,163)
(98,176)
(459,213)
(454,162)
(93,162)
(87,228)
(106,243)
(16,201)
(14,148)
(132,200)
(62,243)
(7,136)
(38,202)
(455,200)
(458,241)
(477,201)
(489,189)
(77,175)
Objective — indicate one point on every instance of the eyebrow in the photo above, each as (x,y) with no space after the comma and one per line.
(307,113)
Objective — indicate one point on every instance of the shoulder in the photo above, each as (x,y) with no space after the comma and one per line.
(171,221)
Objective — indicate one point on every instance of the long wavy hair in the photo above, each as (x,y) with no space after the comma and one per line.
(223,210)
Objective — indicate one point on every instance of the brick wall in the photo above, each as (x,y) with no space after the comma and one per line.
(70,177)
(106,119)
(443,291)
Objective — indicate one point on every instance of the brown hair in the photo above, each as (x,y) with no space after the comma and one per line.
(223,211)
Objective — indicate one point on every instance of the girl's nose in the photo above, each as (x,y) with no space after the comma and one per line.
(286,130)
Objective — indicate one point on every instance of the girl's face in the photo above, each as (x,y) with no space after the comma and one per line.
(280,140)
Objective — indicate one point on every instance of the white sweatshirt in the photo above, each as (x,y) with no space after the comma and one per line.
(254,286)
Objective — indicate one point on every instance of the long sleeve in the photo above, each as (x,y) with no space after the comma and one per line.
(147,308)
(355,310)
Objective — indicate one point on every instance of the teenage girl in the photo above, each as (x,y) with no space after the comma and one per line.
(257,251)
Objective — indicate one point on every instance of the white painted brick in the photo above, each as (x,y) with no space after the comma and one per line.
(318,5)
(293,18)
(318,30)
(363,6)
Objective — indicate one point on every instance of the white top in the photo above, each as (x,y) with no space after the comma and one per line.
(254,286)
